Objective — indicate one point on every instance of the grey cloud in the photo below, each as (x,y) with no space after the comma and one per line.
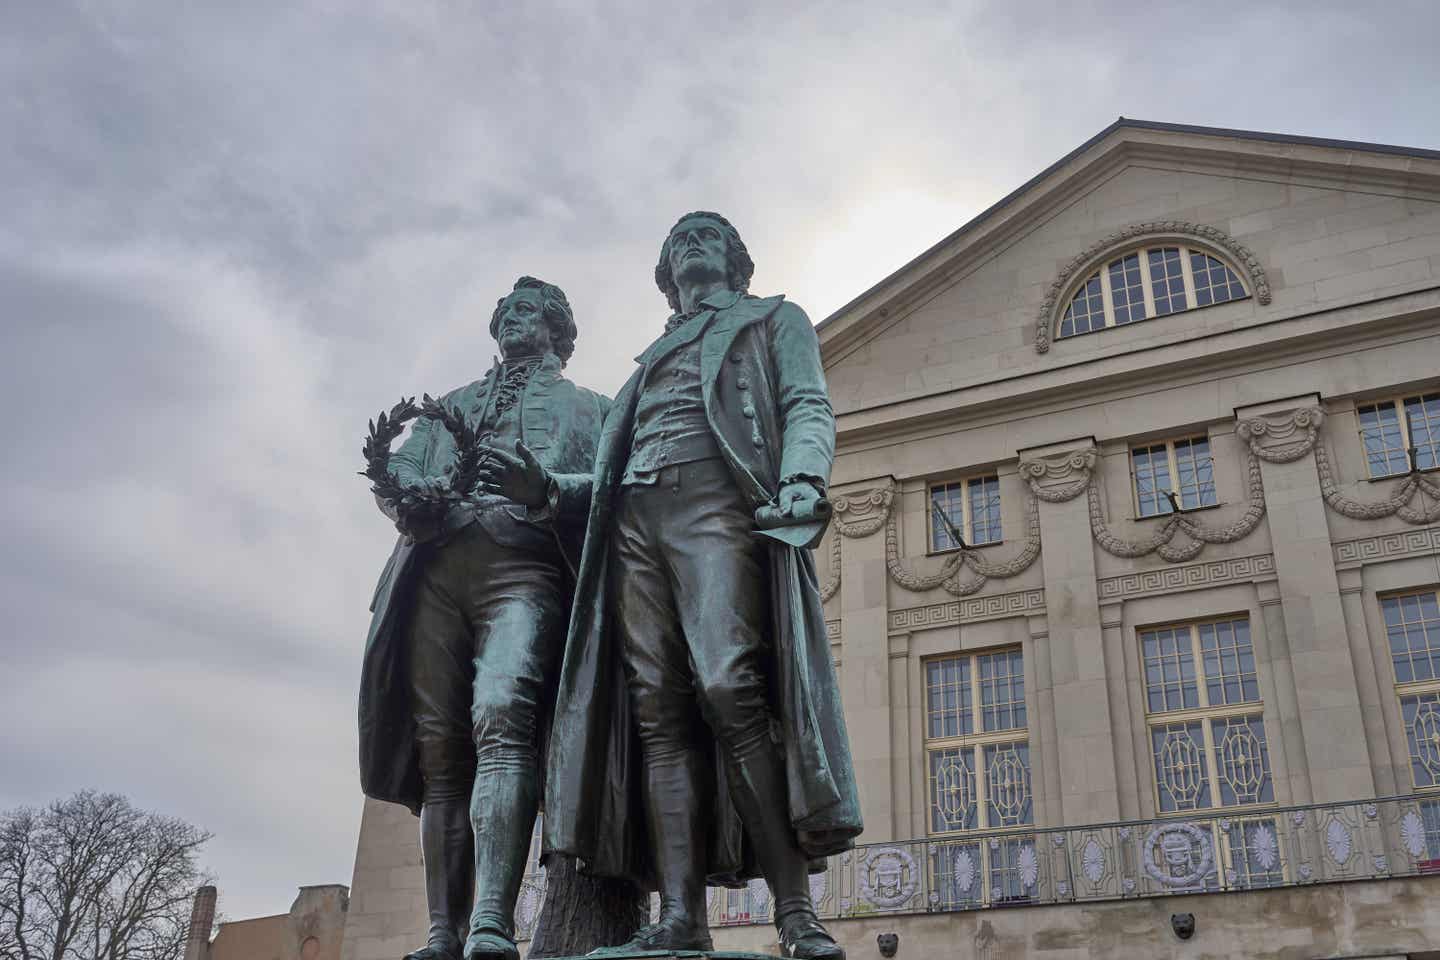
(233,232)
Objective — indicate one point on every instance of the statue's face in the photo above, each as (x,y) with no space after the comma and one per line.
(697,250)
(522,330)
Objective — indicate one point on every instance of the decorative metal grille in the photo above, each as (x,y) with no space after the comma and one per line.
(1421,714)
(1284,847)
(952,790)
(1242,761)
(1180,768)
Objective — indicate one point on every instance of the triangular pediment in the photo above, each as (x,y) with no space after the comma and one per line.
(974,307)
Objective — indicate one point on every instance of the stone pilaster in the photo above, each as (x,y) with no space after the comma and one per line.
(1370,665)
(1044,771)
(865,682)
(901,750)
(1281,435)
(1085,749)
(1118,687)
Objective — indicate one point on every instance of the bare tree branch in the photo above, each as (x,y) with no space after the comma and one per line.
(93,878)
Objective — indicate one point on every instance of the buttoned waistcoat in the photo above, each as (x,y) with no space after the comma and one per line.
(560,423)
(766,402)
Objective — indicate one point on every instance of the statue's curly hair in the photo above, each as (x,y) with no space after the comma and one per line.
(738,265)
(554,308)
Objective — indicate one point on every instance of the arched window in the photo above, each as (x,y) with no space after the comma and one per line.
(1151,281)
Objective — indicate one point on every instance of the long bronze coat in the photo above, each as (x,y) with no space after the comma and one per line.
(765,398)
(560,423)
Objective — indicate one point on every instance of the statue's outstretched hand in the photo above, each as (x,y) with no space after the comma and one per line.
(515,476)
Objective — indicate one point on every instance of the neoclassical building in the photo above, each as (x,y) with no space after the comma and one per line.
(1132,586)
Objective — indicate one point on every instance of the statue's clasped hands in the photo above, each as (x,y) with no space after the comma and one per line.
(517,477)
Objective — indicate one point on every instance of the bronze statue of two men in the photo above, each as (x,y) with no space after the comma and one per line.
(603,609)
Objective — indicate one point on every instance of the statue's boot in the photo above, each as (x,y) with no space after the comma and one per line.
(503,805)
(445,844)
(675,815)
(757,785)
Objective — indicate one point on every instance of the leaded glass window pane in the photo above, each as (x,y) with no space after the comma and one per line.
(949,708)
(1242,761)
(1180,768)
(959,872)
(1229,660)
(947,497)
(1196,471)
(1002,691)
(1167,280)
(1422,415)
(1384,443)
(1169,670)
(1007,785)
(1413,625)
(1152,477)
(1086,311)
(1421,715)
(954,804)
(1256,854)
(1127,290)
(1013,865)
(1214,282)
(984,494)
(1430,817)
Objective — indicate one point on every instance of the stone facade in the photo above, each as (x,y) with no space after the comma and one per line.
(311,930)
(953,369)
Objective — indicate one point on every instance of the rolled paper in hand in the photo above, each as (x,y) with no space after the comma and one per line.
(803,526)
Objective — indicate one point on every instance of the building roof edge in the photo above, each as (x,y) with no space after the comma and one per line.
(1123,123)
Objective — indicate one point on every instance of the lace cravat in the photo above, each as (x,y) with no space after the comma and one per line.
(515,375)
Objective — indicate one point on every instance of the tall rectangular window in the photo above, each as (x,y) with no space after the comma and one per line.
(978,774)
(972,505)
(1205,716)
(1390,428)
(976,740)
(1412,626)
(1183,467)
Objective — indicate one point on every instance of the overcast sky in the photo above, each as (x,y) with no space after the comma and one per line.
(232,232)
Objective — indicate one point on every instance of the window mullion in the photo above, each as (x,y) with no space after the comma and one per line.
(1107,298)
(982,814)
(1145,282)
(977,725)
(1212,764)
(1188,275)
(1201,687)
(967,525)
(1404,422)
(1174,461)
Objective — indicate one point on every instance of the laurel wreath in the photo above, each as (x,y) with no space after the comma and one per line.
(389,425)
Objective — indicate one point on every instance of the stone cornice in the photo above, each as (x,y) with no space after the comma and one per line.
(1398,318)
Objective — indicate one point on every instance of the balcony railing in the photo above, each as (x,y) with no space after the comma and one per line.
(1232,850)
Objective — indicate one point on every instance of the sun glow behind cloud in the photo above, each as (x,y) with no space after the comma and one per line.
(236,231)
